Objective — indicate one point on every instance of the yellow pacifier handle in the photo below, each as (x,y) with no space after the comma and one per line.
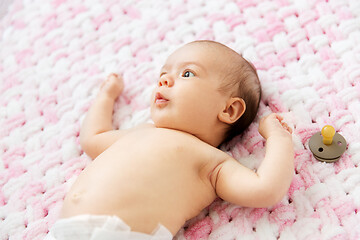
(328,133)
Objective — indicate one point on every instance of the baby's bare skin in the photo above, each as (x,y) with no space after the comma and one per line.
(151,176)
(167,172)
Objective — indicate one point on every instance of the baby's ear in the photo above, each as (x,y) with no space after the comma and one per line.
(234,109)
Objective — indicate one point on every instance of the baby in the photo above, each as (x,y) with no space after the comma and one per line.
(146,182)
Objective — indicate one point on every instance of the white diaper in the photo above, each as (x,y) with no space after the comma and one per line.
(92,227)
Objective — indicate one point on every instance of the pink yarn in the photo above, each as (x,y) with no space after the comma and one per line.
(54,55)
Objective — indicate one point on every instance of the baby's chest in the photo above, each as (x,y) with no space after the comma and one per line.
(162,153)
(164,148)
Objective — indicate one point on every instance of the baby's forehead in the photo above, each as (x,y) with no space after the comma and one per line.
(210,54)
(220,53)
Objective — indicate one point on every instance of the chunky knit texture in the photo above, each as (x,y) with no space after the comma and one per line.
(54,55)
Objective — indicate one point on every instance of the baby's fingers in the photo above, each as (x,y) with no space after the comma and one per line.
(112,86)
(110,78)
(286,127)
(113,76)
(280,118)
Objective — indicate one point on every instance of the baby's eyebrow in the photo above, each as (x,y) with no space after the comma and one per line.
(164,68)
(167,67)
(195,64)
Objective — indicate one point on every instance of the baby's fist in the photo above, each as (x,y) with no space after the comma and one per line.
(273,125)
(113,86)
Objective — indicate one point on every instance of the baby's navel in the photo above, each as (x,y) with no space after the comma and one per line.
(75,197)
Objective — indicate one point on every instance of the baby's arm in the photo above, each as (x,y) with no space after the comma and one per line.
(97,132)
(238,184)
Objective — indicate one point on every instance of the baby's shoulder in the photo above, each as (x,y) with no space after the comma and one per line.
(213,157)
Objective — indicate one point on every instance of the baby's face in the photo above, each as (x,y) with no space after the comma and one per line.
(186,97)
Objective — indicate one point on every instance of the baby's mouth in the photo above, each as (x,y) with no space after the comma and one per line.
(160,99)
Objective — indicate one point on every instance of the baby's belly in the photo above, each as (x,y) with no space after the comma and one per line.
(143,191)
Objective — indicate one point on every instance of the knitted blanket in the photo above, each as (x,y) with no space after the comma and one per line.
(54,55)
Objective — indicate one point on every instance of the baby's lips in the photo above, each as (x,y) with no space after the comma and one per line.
(160,101)
(159,96)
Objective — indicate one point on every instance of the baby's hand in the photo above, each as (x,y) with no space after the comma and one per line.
(273,124)
(113,86)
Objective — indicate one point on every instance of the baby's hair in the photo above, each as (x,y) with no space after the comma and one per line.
(242,81)
(246,81)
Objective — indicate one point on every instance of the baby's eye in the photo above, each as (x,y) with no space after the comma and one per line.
(188,74)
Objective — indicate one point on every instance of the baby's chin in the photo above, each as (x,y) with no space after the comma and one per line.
(160,123)
(160,120)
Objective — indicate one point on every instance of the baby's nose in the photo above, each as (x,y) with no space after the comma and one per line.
(166,81)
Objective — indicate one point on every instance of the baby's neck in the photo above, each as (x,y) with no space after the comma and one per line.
(213,138)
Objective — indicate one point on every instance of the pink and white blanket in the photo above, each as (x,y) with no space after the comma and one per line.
(54,55)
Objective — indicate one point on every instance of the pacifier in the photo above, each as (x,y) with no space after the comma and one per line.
(327,145)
